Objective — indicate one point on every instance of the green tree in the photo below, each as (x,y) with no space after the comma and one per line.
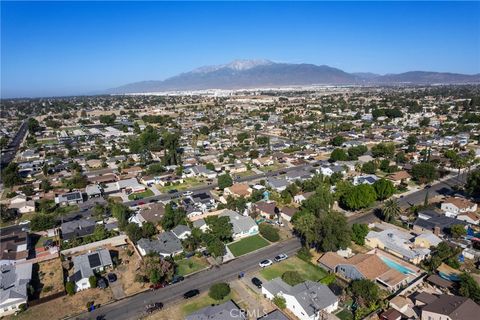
(304,223)
(10,176)
(469,287)
(280,301)
(359,197)
(473,183)
(40,222)
(359,232)
(224,181)
(458,230)
(269,232)
(365,291)
(424,172)
(173,217)
(369,167)
(292,278)
(219,291)
(382,149)
(133,231)
(332,232)
(92,280)
(338,155)
(384,189)
(220,227)
(337,141)
(70,288)
(121,213)
(391,210)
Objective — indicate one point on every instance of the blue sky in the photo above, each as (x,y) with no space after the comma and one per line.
(63,48)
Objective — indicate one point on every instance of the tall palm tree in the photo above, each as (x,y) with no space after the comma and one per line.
(391,210)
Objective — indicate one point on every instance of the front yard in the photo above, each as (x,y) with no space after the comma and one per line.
(247,245)
(137,196)
(187,184)
(305,269)
(190,265)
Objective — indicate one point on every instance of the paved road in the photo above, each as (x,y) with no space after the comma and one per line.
(134,307)
(440,188)
(10,152)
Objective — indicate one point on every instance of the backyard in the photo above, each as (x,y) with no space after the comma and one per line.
(305,269)
(247,245)
(190,265)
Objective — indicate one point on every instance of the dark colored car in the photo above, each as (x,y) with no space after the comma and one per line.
(191,293)
(102,284)
(257,282)
(173,191)
(141,203)
(177,279)
(112,277)
(154,307)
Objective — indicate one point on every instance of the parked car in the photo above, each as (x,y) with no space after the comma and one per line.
(265,263)
(257,282)
(156,286)
(112,277)
(141,203)
(187,193)
(177,279)
(191,293)
(102,284)
(281,257)
(172,191)
(154,307)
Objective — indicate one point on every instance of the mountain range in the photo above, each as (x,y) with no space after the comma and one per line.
(245,74)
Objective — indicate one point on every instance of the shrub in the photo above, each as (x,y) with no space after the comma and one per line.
(280,302)
(70,288)
(269,232)
(22,307)
(304,254)
(292,278)
(218,291)
(93,281)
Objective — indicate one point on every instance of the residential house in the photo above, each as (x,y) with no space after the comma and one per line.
(166,244)
(13,245)
(238,190)
(87,265)
(153,213)
(287,213)
(448,307)
(14,279)
(364,266)
(365,179)
(243,226)
(274,315)
(453,206)
(93,191)
(267,210)
(307,300)
(20,204)
(469,217)
(181,231)
(278,184)
(69,198)
(299,198)
(263,161)
(225,311)
(200,171)
(130,186)
(77,228)
(399,177)
(432,221)
(200,224)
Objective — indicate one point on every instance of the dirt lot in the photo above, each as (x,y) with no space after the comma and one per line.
(50,275)
(66,306)
(127,270)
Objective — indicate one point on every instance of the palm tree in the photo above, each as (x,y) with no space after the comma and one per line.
(391,210)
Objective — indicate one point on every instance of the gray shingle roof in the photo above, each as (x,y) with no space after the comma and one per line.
(166,244)
(219,312)
(241,224)
(13,283)
(84,265)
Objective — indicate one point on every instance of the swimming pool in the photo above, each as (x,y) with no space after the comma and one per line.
(397,266)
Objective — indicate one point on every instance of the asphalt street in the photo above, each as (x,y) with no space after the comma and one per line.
(134,307)
(9,153)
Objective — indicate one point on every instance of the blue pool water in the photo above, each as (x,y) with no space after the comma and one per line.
(398,267)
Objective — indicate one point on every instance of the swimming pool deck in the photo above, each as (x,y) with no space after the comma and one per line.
(416,271)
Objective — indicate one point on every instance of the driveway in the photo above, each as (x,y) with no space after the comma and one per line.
(117,290)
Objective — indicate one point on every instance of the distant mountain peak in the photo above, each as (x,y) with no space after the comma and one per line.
(237,65)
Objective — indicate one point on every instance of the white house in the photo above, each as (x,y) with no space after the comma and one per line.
(307,300)
(243,226)
(453,206)
(86,265)
(13,287)
(21,204)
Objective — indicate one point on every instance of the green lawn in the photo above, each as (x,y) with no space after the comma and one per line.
(273,167)
(247,245)
(193,264)
(245,174)
(305,269)
(198,303)
(187,184)
(344,315)
(141,195)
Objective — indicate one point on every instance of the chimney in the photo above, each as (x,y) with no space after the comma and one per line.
(436,231)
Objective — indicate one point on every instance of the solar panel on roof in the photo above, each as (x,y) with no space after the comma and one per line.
(94,260)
